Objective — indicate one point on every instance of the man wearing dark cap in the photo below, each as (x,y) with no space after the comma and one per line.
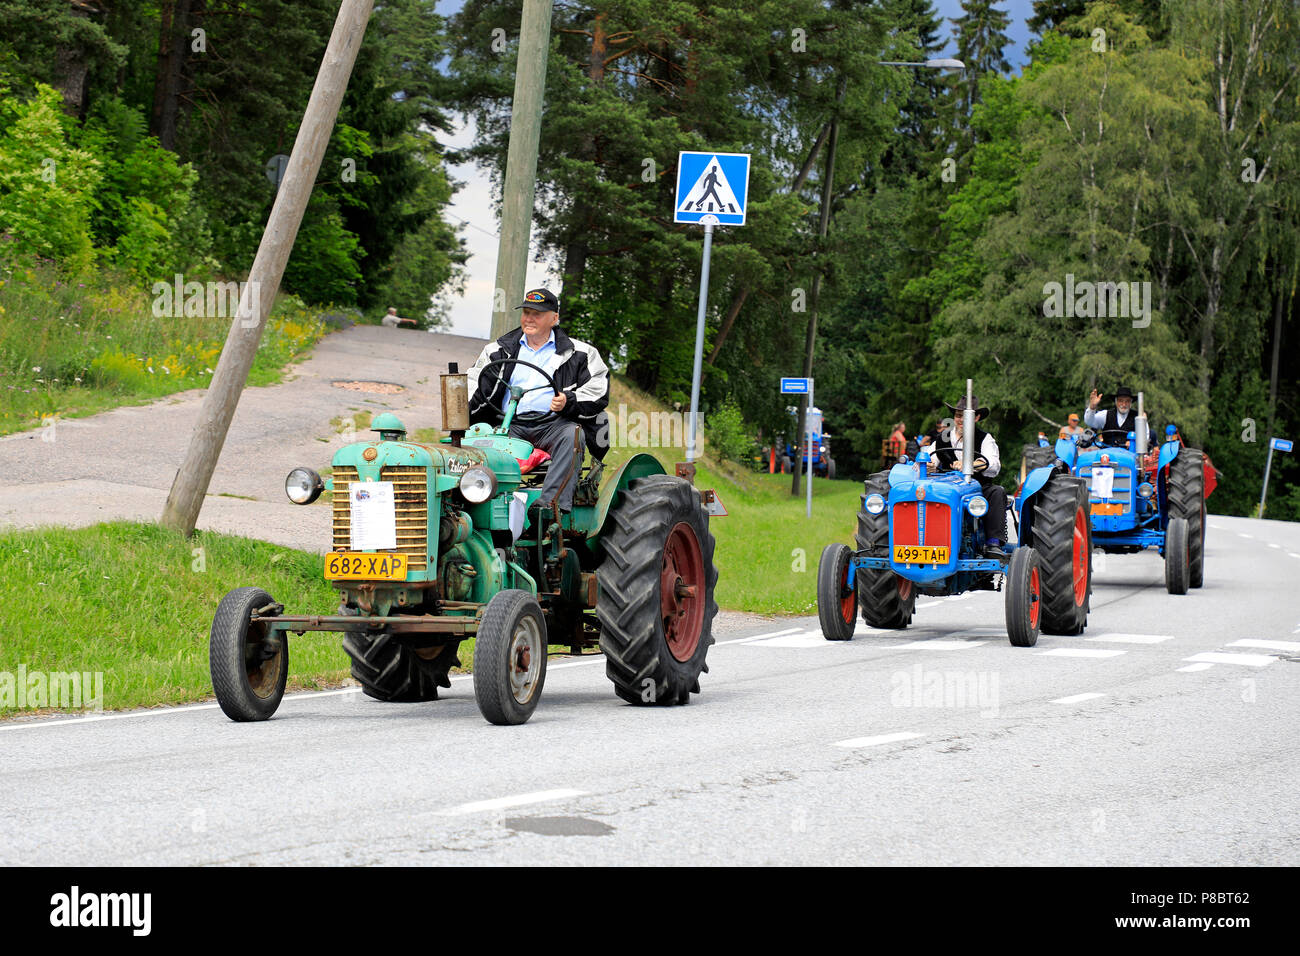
(557,421)
(947,451)
(1121,417)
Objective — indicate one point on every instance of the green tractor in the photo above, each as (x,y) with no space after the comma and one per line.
(434,544)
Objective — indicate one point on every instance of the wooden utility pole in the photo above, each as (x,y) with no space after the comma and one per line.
(191,484)
(521,164)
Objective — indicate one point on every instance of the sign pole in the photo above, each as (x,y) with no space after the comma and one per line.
(708,222)
(807,437)
(1267,468)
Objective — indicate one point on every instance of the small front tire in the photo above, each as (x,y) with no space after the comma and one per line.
(249,663)
(1177,556)
(1024,597)
(510,658)
(837,602)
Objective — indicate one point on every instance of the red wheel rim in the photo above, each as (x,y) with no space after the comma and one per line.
(681,591)
(847,601)
(904,587)
(1033,598)
(1080,558)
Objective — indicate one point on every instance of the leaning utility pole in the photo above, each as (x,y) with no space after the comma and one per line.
(521,164)
(186,497)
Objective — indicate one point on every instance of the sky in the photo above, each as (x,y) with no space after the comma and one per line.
(471,312)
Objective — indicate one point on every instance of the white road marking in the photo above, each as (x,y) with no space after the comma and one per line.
(1243,535)
(761,637)
(1132,638)
(1081,652)
(1246,660)
(876,741)
(935,645)
(802,639)
(1272,545)
(1271,645)
(505,803)
(949,600)
(1076,699)
(1194,667)
(1292,554)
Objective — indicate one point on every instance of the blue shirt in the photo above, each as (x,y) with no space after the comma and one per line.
(524,377)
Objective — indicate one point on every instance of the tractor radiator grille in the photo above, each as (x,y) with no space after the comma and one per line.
(410,491)
(907,523)
(1121,491)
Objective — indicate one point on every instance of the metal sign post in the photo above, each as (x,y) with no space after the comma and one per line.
(709,222)
(1281,444)
(807,437)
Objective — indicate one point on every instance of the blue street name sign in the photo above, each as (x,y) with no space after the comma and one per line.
(1282,444)
(794,386)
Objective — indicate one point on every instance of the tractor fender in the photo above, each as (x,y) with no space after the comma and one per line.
(1168,452)
(639,465)
(1034,483)
(1067,449)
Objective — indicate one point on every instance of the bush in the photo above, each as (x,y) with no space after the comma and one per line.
(728,434)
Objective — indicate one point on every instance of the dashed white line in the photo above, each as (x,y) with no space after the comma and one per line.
(1191,668)
(798,639)
(1243,535)
(1271,645)
(1076,699)
(1132,638)
(1292,554)
(1081,652)
(935,645)
(505,803)
(948,600)
(762,637)
(1245,660)
(856,742)
(1272,545)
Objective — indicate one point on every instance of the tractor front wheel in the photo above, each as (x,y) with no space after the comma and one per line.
(249,663)
(1024,597)
(510,657)
(1177,556)
(1063,539)
(837,602)
(656,605)
(886,599)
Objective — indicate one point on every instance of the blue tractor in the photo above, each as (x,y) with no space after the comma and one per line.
(1138,498)
(823,465)
(919,532)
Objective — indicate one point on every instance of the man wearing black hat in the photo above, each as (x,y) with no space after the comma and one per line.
(1119,418)
(558,421)
(947,451)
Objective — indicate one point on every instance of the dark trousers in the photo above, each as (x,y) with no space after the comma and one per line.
(995,519)
(563,440)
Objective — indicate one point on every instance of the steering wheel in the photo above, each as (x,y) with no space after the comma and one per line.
(497,374)
(1115,437)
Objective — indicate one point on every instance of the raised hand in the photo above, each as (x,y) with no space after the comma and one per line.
(1094,400)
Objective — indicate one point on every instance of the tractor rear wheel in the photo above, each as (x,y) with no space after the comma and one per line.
(1187,500)
(886,599)
(389,670)
(786,464)
(249,664)
(1035,456)
(656,605)
(1024,597)
(1063,539)
(1177,556)
(830,469)
(510,657)
(837,603)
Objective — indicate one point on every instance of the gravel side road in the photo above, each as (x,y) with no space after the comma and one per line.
(120,464)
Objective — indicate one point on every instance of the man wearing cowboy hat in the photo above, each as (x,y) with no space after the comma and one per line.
(1119,418)
(947,451)
(560,420)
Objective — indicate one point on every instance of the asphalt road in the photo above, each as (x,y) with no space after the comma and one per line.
(1163,735)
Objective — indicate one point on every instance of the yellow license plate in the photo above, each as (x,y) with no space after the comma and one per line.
(919,554)
(1107,508)
(365,567)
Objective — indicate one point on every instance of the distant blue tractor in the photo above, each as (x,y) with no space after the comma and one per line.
(823,465)
(1136,500)
(920,533)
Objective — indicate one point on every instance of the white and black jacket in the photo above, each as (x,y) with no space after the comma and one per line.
(580,373)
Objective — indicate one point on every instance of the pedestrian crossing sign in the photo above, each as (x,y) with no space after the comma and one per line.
(712,184)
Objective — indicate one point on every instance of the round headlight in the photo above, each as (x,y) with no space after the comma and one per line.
(303,486)
(875,504)
(478,484)
(1146,490)
(977,505)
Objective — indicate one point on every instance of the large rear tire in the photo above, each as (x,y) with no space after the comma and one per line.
(837,603)
(1062,536)
(1024,597)
(1177,556)
(249,665)
(1035,456)
(886,599)
(830,469)
(1187,500)
(392,671)
(657,578)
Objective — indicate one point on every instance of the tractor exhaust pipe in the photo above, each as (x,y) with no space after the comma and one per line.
(968,433)
(1140,426)
(455,402)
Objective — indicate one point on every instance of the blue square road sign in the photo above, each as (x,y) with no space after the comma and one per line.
(712,184)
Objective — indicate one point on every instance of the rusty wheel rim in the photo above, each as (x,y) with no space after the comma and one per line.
(525,659)
(681,591)
(262,664)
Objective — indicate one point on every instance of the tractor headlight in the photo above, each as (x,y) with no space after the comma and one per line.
(875,504)
(978,506)
(303,486)
(1146,490)
(478,484)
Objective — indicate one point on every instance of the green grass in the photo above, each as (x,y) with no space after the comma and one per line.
(135,602)
(71,347)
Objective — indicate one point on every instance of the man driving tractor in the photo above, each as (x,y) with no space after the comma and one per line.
(947,451)
(557,421)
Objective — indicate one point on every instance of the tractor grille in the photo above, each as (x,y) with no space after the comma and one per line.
(1121,491)
(410,492)
(907,523)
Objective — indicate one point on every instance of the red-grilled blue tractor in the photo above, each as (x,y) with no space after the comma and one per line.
(919,532)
